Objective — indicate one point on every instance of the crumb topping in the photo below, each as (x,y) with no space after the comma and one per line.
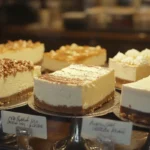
(75,53)
(17,45)
(11,67)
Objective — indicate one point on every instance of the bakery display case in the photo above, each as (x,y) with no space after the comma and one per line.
(68,61)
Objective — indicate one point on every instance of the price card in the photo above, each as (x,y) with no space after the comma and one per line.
(11,120)
(117,131)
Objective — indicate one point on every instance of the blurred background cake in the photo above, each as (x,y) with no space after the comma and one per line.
(23,50)
(131,66)
(74,54)
(16,80)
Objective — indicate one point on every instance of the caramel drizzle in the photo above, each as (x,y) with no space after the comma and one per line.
(76,54)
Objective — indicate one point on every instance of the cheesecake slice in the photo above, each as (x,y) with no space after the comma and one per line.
(23,50)
(73,54)
(76,89)
(16,80)
(129,67)
(135,101)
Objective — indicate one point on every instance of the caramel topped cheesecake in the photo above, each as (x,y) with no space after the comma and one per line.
(130,67)
(74,54)
(16,80)
(76,89)
(22,50)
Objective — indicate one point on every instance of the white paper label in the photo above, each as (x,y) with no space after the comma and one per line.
(119,132)
(11,120)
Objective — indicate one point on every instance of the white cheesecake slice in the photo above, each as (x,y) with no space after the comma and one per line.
(129,67)
(23,50)
(73,54)
(16,80)
(76,89)
(135,101)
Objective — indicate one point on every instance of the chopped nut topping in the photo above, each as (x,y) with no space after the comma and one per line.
(11,67)
(17,45)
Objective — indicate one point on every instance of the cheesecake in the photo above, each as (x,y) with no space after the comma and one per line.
(16,80)
(135,101)
(73,54)
(129,67)
(23,50)
(76,89)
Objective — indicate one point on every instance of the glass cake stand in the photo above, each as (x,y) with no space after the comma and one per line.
(75,141)
(116,111)
(10,139)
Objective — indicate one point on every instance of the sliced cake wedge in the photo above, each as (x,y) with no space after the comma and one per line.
(73,54)
(76,89)
(135,101)
(23,50)
(16,80)
(129,67)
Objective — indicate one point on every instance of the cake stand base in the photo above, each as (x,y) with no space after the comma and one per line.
(69,144)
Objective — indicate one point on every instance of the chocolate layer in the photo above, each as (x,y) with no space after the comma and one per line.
(119,82)
(73,110)
(135,115)
(17,98)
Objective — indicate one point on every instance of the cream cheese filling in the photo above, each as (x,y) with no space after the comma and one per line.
(13,84)
(137,95)
(128,72)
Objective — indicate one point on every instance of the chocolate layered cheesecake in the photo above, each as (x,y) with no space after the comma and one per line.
(135,101)
(129,67)
(23,50)
(73,54)
(76,89)
(16,80)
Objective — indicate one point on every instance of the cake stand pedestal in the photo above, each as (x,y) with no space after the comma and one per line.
(75,141)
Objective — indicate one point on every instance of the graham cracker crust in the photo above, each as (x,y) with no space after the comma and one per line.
(135,115)
(72,110)
(119,82)
(17,98)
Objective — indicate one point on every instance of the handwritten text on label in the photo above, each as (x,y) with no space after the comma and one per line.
(119,132)
(11,120)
